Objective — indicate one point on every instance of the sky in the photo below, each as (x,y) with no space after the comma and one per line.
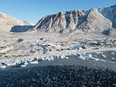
(34,10)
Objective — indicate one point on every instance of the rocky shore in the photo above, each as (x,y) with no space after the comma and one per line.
(58,76)
(103,59)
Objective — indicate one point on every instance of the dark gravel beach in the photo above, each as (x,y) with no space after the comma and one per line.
(58,76)
(72,72)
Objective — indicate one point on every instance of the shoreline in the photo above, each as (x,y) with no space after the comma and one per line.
(71,56)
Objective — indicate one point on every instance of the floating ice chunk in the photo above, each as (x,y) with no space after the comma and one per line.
(24,65)
(99,52)
(67,57)
(34,62)
(63,56)
(3,66)
(48,58)
(83,58)
(102,60)
(104,56)
(13,64)
(9,64)
(57,56)
(90,55)
(18,61)
(52,58)
(113,53)
(97,59)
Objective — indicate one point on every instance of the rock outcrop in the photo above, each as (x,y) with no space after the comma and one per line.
(85,20)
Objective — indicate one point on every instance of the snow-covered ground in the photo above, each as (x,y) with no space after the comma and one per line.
(30,47)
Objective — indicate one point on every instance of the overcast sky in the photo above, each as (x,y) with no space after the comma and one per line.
(34,10)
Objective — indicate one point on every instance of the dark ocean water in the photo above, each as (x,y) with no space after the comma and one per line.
(58,76)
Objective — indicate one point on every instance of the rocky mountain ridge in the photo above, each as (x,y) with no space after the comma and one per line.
(101,19)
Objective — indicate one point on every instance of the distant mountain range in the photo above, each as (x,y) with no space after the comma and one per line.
(101,19)
(97,19)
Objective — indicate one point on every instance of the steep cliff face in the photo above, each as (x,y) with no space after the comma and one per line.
(7,22)
(85,20)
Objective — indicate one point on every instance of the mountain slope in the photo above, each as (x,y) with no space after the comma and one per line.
(59,22)
(85,20)
(94,20)
(110,13)
(7,23)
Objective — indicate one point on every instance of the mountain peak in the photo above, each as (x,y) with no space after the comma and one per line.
(85,20)
(62,21)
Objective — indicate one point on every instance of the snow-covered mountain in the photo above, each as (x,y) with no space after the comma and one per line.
(9,23)
(101,19)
